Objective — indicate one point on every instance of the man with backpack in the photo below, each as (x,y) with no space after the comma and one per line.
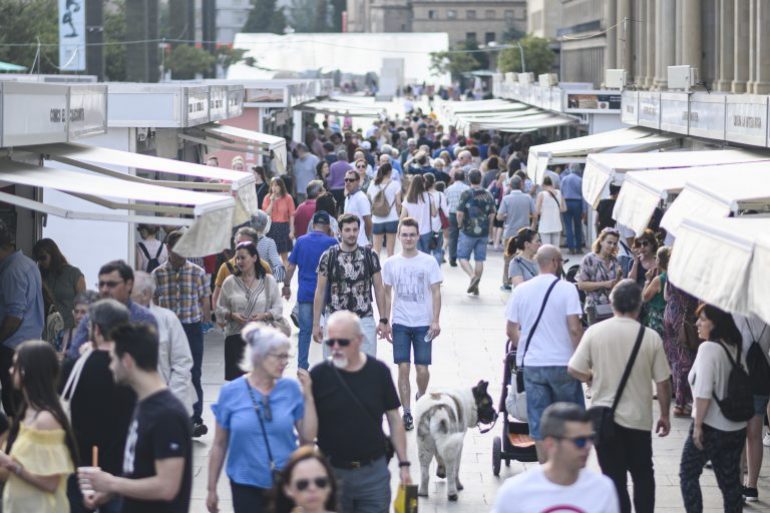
(474,217)
(346,275)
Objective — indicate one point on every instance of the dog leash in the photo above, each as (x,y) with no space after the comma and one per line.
(486,430)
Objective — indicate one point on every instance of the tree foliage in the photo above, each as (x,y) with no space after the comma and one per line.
(538,57)
(26,22)
(459,60)
(227,56)
(115,32)
(186,61)
(265,17)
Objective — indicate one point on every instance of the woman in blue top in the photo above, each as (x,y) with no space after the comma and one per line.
(261,417)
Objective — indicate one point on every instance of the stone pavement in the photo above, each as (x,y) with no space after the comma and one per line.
(470,348)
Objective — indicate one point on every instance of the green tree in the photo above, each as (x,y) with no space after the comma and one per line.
(115,32)
(26,22)
(459,60)
(227,56)
(265,17)
(538,57)
(186,61)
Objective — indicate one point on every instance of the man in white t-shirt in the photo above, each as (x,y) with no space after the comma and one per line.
(357,203)
(562,484)
(545,341)
(602,357)
(412,282)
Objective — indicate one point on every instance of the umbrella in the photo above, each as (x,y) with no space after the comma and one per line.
(7,66)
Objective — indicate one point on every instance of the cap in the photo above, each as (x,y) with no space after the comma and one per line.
(321,217)
(366,145)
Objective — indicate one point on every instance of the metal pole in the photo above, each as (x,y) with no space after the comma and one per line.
(521,54)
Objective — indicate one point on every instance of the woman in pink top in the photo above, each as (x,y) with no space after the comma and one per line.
(280,207)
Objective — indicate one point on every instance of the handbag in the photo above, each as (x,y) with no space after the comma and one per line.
(389,449)
(520,373)
(406,499)
(602,417)
(275,474)
(72,383)
(434,236)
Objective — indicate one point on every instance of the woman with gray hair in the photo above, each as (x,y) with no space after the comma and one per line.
(261,418)
(266,246)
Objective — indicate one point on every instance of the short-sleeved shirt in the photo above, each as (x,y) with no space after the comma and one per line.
(345,432)
(476,205)
(358,204)
(306,255)
(302,217)
(453,194)
(604,350)
(523,267)
(22,297)
(337,170)
(304,171)
(247,459)
(594,269)
(350,285)
(62,286)
(391,189)
(572,187)
(551,344)
(159,430)
(517,207)
(181,290)
(283,209)
(411,280)
(604,213)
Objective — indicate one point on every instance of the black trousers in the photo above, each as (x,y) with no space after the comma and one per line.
(248,499)
(234,346)
(723,449)
(630,451)
(10,397)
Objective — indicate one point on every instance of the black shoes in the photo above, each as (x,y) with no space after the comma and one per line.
(199,429)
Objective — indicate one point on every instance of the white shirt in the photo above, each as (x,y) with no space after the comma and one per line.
(420,212)
(708,376)
(551,344)
(440,204)
(533,492)
(411,280)
(359,205)
(174,357)
(391,190)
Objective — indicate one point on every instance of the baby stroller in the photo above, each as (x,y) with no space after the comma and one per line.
(515,443)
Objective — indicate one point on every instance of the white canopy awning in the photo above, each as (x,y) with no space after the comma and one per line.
(603,169)
(233,138)
(208,216)
(624,139)
(724,262)
(241,185)
(340,108)
(739,188)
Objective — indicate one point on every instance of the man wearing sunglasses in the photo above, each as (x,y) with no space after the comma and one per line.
(352,392)
(562,483)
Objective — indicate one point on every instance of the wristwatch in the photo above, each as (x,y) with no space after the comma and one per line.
(404,464)
(384,321)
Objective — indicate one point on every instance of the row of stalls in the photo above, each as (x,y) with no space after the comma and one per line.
(84,163)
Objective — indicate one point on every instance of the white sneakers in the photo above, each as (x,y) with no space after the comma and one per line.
(766,440)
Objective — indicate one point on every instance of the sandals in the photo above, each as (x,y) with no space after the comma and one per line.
(682,411)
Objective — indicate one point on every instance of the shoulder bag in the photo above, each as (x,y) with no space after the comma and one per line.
(434,235)
(275,474)
(72,383)
(389,449)
(520,373)
(602,417)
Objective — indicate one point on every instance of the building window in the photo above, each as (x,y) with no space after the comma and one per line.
(521,13)
(470,14)
(432,15)
(489,37)
(451,14)
(508,15)
(489,14)
(470,37)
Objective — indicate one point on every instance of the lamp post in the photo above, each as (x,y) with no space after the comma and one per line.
(515,44)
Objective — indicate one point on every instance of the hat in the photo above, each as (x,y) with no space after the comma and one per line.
(321,217)
(366,145)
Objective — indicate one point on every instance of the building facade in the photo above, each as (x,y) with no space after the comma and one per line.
(484,21)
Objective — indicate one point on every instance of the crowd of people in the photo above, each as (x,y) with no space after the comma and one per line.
(103,388)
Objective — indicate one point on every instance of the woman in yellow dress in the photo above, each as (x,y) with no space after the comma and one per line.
(41,447)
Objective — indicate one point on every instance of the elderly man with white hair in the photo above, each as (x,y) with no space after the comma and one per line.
(174,357)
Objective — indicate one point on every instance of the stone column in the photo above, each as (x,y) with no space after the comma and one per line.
(726,18)
(692,52)
(640,43)
(741,46)
(624,35)
(762,73)
(752,44)
(665,16)
(650,41)
(610,50)
(679,35)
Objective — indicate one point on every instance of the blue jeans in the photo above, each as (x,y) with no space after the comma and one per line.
(305,333)
(423,243)
(405,338)
(454,232)
(194,332)
(545,386)
(573,223)
(468,245)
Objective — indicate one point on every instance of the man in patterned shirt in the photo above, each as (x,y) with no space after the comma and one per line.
(474,217)
(182,288)
(453,193)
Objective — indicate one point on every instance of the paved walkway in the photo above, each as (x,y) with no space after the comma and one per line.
(470,348)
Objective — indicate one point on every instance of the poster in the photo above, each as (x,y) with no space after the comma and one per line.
(72,35)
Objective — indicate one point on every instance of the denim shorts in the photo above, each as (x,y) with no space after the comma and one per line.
(760,405)
(406,338)
(477,245)
(545,386)
(381,228)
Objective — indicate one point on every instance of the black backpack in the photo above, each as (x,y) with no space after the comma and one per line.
(756,363)
(152,263)
(738,403)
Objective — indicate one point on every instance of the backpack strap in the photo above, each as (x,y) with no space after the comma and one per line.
(160,250)
(143,248)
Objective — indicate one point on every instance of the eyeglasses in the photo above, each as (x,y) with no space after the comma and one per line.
(642,243)
(580,441)
(284,357)
(409,235)
(361,167)
(303,484)
(349,180)
(109,284)
(342,342)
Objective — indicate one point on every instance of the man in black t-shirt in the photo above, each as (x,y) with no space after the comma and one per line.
(352,392)
(157,463)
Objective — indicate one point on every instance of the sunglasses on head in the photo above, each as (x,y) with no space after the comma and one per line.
(303,484)
(342,342)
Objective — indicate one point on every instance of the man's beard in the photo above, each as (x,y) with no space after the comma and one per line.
(340,361)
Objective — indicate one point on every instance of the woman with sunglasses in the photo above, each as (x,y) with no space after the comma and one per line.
(599,272)
(645,249)
(363,170)
(261,418)
(307,484)
(280,207)
(250,295)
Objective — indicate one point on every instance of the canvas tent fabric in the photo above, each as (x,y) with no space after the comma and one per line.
(270,142)
(205,214)
(624,139)
(603,169)
(341,108)
(724,262)
(241,185)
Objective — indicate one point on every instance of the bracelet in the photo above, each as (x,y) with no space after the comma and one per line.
(384,321)
(404,463)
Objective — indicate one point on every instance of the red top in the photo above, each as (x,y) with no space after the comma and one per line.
(302,217)
(283,209)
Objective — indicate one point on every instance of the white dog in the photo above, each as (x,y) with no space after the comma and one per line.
(442,418)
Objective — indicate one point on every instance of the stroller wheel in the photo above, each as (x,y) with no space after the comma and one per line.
(497,450)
